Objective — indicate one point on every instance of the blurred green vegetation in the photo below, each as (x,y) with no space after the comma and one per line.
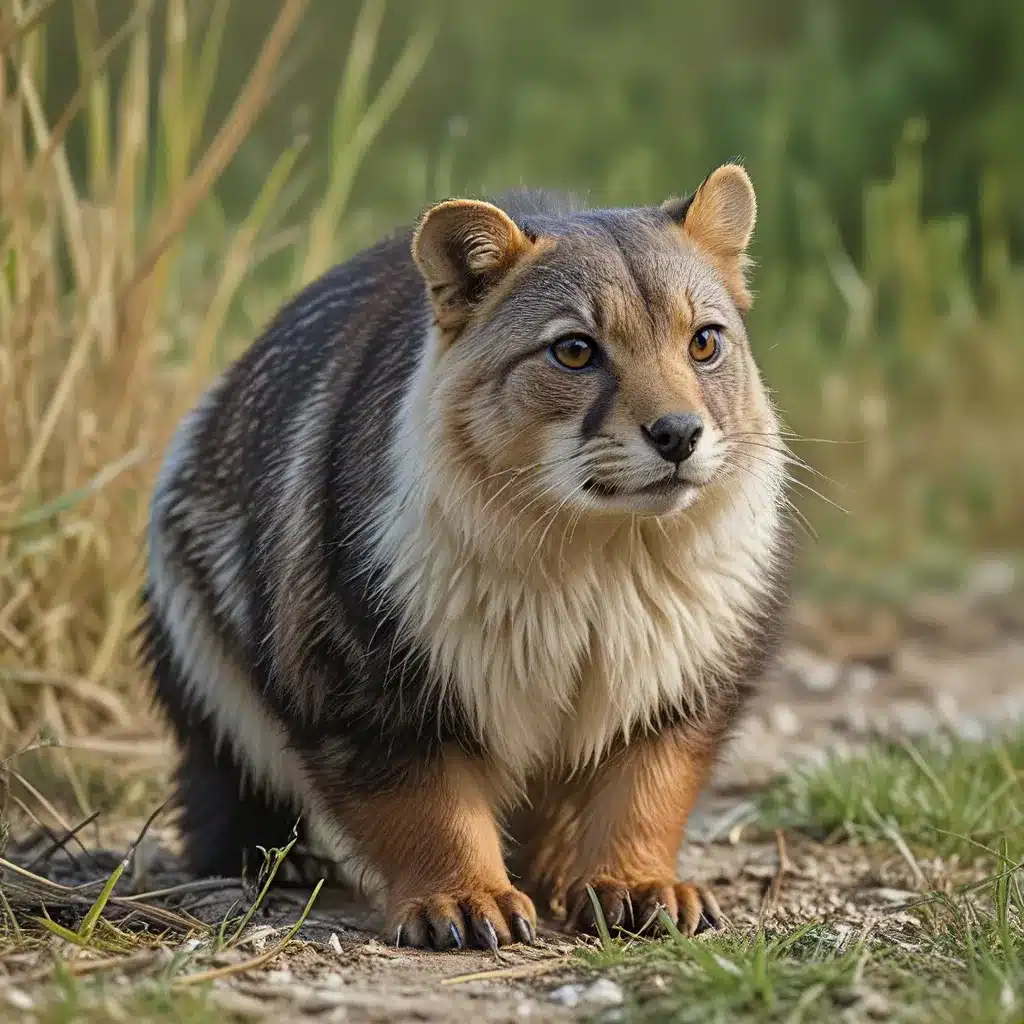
(886,142)
(630,102)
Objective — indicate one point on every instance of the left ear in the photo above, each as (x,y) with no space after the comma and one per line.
(719,218)
(463,248)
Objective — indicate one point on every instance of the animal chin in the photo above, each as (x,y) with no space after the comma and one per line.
(665,486)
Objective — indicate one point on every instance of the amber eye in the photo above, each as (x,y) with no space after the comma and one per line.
(573,352)
(705,345)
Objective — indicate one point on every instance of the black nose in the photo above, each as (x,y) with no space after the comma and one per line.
(675,436)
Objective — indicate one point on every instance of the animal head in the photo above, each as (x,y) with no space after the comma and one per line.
(595,361)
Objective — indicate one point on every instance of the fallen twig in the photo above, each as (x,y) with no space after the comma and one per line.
(770,900)
(82,966)
(60,842)
(198,885)
(521,971)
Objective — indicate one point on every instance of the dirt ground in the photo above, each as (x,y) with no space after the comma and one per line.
(341,971)
(847,675)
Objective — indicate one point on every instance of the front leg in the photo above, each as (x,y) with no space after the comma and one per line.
(631,827)
(433,839)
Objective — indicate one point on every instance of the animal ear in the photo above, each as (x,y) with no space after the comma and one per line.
(719,218)
(463,248)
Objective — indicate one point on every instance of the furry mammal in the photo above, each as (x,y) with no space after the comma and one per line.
(472,559)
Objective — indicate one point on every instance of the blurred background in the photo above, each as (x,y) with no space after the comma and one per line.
(171,171)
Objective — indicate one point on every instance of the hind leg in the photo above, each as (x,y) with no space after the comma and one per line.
(223,821)
(223,825)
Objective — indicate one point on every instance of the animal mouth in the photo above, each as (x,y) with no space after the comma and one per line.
(666,485)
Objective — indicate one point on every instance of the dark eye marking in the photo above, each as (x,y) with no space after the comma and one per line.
(597,413)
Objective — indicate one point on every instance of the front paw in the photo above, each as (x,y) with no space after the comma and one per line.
(633,906)
(475,917)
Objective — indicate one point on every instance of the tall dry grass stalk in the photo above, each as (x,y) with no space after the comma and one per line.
(108,331)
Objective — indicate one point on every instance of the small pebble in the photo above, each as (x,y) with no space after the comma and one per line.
(947,707)
(913,719)
(876,1006)
(335,943)
(867,1001)
(860,678)
(19,1000)
(1007,999)
(604,992)
(990,578)
(896,895)
(848,995)
(968,728)
(817,674)
(783,720)
(567,995)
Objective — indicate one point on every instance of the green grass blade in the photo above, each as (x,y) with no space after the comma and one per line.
(602,925)
(277,860)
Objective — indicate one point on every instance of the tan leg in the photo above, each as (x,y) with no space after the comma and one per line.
(631,826)
(436,844)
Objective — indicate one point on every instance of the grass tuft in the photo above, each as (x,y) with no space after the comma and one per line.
(948,795)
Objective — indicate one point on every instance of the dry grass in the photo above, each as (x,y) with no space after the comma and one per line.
(118,302)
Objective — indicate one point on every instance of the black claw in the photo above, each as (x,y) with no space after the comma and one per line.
(491,937)
(704,923)
(649,919)
(456,937)
(628,920)
(523,930)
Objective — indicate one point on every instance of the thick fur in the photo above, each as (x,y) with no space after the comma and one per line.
(409,579)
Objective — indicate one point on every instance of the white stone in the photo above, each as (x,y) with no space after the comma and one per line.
(783,720)
(860,678)
(990,578)
(567,995)
(914,719)
(19,1000)
(813,672)
(604,992)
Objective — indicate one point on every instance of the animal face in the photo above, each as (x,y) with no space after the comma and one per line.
(596,362)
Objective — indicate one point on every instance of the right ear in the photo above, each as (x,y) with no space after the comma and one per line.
(463,248)
(719,217)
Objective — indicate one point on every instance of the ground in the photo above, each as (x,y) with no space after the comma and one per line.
(835,815)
